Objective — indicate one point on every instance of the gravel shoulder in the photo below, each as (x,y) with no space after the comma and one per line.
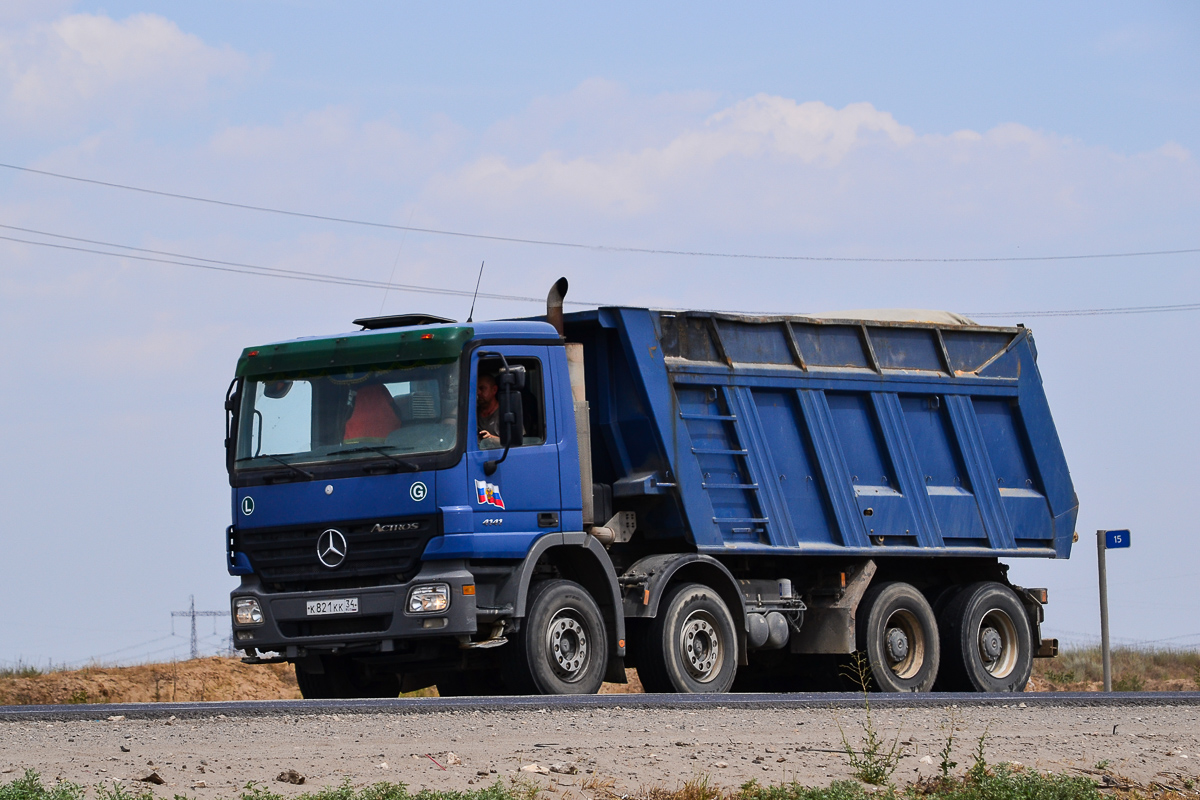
(593,752)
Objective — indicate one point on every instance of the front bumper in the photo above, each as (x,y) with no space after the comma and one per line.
(382,623)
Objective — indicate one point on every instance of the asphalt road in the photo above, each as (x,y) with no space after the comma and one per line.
(427,705)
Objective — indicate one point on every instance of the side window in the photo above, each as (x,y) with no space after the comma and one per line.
(487,404)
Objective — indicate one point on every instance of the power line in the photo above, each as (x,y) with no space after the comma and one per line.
(198,262)
(137,646)
(1091,312)
(584,246)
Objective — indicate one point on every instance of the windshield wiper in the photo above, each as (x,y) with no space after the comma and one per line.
(302,473)
(406,464)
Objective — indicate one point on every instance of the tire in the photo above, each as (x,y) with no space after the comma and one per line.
(562,647)
(898,632)
(314,685)
(691,646)
(343,680)
(943,599)
(987,643)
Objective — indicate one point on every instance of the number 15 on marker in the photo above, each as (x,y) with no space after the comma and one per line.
(1116,539)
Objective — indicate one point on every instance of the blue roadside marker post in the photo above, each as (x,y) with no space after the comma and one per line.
(1107,540)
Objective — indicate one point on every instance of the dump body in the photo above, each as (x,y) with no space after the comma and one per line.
(801,435)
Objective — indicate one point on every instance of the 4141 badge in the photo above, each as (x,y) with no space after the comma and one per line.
(488,494)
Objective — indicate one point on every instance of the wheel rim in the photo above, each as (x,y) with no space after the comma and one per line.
(904,644)
(997,643)
(700,646)
(568,646)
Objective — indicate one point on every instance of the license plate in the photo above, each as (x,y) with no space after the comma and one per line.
(346,605)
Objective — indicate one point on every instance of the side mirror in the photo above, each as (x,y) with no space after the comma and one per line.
(510,417)
(232,399)
(511,377)
(277,390)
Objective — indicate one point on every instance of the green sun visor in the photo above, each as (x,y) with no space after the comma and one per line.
(293,358)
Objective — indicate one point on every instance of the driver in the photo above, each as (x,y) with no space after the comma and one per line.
(487,413)
(487,410)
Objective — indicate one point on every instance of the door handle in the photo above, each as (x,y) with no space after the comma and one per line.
(547,519)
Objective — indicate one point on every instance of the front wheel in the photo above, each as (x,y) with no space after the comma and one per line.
(691,646)
(898,632)
(987,640)
(562,647)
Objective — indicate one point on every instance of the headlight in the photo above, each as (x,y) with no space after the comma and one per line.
(429,598)
(246,611)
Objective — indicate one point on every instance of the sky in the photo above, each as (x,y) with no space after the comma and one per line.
(923,131)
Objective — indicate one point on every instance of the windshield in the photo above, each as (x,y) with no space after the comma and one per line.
(314,417)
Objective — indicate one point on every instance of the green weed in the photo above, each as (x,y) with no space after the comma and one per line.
(29,787)
(118,792)
(979,770)
(1067,676)
(875,761)
(1002,783)
(1129,683)
(950,727)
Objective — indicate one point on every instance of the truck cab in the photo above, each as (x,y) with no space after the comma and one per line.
(377,519)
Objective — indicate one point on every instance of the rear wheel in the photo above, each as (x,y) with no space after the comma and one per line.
(691,646)
(987,640)
(562,647)
(343,679)
(898,632)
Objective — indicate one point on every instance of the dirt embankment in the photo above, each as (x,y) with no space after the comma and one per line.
(184,681)
(181,681)
(229,679)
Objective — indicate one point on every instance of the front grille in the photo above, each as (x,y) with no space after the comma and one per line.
(336,627)
(286,558)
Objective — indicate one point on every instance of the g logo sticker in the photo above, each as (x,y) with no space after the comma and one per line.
(418,491)
(247,505)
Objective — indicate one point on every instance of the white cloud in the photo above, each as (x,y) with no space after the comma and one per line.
(635,181)
(811,132)
(854,177)
(17,11)
(91,64)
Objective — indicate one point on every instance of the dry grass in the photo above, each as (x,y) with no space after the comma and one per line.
(1134,669)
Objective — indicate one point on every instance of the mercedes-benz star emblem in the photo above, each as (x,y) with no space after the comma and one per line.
(331,548)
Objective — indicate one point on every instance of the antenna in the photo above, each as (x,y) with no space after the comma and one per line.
(471,315)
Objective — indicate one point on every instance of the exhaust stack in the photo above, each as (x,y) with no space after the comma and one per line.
(621,527)
(554,304)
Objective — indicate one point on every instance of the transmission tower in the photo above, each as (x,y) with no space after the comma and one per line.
(193,613)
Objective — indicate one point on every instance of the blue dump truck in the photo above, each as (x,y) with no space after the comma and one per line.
(721,501)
